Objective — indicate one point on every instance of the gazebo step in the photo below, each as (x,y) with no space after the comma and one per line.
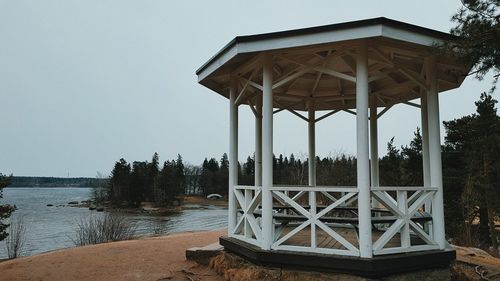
(202,255)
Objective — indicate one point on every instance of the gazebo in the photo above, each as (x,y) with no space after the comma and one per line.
(364,68)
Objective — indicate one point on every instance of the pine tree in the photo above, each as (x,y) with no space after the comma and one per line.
(179,175)
(223,179)
(390,166)
(412,162)
(120,181)
(477,31)
(5,210)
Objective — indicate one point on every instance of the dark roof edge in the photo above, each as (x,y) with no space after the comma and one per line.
(323,28)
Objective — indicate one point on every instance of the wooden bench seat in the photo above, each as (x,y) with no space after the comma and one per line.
(286,218)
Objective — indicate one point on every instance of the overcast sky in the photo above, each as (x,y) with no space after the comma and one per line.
(85,83)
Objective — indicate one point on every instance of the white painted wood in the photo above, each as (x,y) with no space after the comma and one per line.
(311,39)
(315,188)
(337,236)
(363,166)
(289,201)
(387,201)
(416,79)
(329,196)
(250,187)
(388,251)
(312,169)
(435,154)
(405,229)
(267,153)
(335,204)
(425,149)
(339,252)
(374,165)
(233,158)
(321,69)
(405,188)
(248,200)
(250,241)
(326,115)
(258,143)
(289,78)
(388,234)
(421,233)
(241,95)
(251,83)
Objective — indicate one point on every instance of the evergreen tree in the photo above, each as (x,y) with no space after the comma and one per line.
(477,31)
(152,172)
(120,181)
(223,180)
(139,180)
(179,175)
(5,210)
(475,142)
(412,162)
(390,166)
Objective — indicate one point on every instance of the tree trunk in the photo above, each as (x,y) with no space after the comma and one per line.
(484,231)
(493,234)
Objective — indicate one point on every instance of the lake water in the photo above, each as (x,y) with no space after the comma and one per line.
(51,228)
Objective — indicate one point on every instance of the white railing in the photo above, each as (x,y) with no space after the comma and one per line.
(328,223)
(408,205)
(312,218)
(248,227)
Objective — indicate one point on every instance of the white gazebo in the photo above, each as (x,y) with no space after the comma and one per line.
(363,68)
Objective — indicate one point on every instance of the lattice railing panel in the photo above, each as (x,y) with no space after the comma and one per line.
(304,225)
(248,226)
(410,230)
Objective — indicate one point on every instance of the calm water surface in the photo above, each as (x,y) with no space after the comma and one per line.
(52,228)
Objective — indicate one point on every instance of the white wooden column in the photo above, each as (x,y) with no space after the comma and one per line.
(233,158)
(257,160)
(312,168)
(436,178)
(258,143)
(426,169)
(363,166)
(267,152)
(374,167)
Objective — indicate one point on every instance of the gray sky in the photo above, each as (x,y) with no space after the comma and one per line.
(84,83)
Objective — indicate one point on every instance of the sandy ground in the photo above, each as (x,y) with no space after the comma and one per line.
(157,258)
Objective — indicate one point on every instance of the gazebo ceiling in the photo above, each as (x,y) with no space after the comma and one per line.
(319,64)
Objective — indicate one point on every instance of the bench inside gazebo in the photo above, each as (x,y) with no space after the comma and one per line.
(363,68)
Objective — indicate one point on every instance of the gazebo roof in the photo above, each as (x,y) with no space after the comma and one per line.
(319,64)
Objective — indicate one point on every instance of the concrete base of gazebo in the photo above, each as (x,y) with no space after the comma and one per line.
(377,266)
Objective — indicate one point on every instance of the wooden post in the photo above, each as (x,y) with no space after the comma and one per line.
(436,177)
(374,168)
(233,158)
(363,166)
(258,143)
(312,168)
(267,152)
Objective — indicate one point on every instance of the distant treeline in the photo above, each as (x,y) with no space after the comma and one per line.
(17,181)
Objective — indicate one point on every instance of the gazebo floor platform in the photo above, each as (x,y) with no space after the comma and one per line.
(377,266)
(323,240)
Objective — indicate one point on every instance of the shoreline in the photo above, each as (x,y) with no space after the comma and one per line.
(145,258)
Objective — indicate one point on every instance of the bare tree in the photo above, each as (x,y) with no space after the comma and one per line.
(16,241)
(96,229)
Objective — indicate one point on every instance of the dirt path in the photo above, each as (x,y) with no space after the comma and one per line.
(158,258)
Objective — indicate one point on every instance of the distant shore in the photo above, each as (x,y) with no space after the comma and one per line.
(27,181)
